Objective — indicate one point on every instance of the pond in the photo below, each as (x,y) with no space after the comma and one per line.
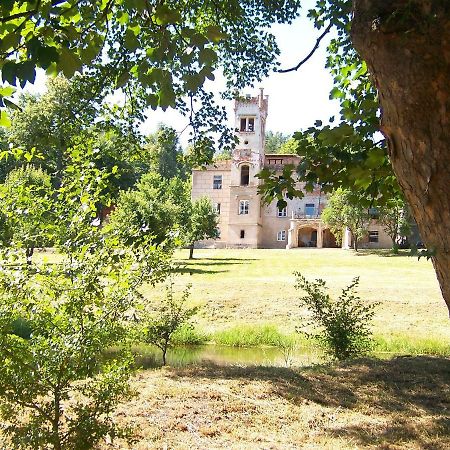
(149,357)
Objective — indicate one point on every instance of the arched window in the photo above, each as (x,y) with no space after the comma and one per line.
(245,175)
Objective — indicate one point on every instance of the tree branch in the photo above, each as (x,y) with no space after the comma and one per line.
(310,54)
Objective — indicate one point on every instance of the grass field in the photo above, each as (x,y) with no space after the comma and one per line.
(236,287)
(401,403)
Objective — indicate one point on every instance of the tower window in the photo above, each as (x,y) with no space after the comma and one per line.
(217,182)
(243,207)
(245,175)
(247,124)
(242,234)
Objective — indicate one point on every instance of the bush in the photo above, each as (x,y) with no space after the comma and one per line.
(344,324)
(169,317)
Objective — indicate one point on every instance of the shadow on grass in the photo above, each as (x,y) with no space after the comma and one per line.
(193,270)
(193,262)
(195,266)
(224,259)
(385,253)
(407,398)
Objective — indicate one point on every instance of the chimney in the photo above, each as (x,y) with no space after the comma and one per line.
(261,97)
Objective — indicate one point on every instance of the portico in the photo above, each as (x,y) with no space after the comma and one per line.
(309,232)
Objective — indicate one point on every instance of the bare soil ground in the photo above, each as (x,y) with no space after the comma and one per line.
(402,403)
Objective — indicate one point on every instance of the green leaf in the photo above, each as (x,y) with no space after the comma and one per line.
(131,41)
(193,82)
(5,121)
(7,91)
(165,15)
(69,62)
(122,79)
(207,56)
(215,34)
(11,40)
(166,97)
(46,56)
(336,93)
(9,72)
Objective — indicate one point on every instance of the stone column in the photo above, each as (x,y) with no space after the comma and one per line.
(292,235)
(319,236)
(346,239)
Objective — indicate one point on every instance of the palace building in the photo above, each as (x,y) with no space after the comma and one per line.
(232,186)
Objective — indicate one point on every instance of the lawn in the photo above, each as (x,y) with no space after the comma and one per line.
(258,287)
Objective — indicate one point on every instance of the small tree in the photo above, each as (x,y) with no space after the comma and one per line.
(344,211)
(155,208)
(202,223)
(396,220)
(171,314)
(344,324)
(26,204)
(57,390)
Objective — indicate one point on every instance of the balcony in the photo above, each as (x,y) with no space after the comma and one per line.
(307,213)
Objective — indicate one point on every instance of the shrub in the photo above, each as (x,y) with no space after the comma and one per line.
(168,318)
(343,324)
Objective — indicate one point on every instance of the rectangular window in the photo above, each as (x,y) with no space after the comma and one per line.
(243,206)
(216,207)
(247,124)
(309,209)
(242,234)
(373,236)
(282,212)
(281,235)
(217,182)
(275,161)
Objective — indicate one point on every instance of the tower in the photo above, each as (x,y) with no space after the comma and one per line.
(245,219)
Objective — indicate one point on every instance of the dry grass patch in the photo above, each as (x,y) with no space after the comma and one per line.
(397,404)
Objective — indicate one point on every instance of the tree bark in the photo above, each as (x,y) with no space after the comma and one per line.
(406,44)
(191,251)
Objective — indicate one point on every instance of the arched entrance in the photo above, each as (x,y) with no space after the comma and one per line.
(307,237)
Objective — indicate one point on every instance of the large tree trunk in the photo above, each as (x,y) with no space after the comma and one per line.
(406,44)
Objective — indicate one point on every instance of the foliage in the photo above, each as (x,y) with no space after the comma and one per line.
(344,330)
(342,211)
(274,141)
(348,151)
(155,208)
(224,155)
(70,113)
(155,53)
(56,319)
(201,223)
(165,154)
(168,318)
(56,388)
(27,209)
(396,221)
(54,122)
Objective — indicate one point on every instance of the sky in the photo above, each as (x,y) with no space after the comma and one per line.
(296,99)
